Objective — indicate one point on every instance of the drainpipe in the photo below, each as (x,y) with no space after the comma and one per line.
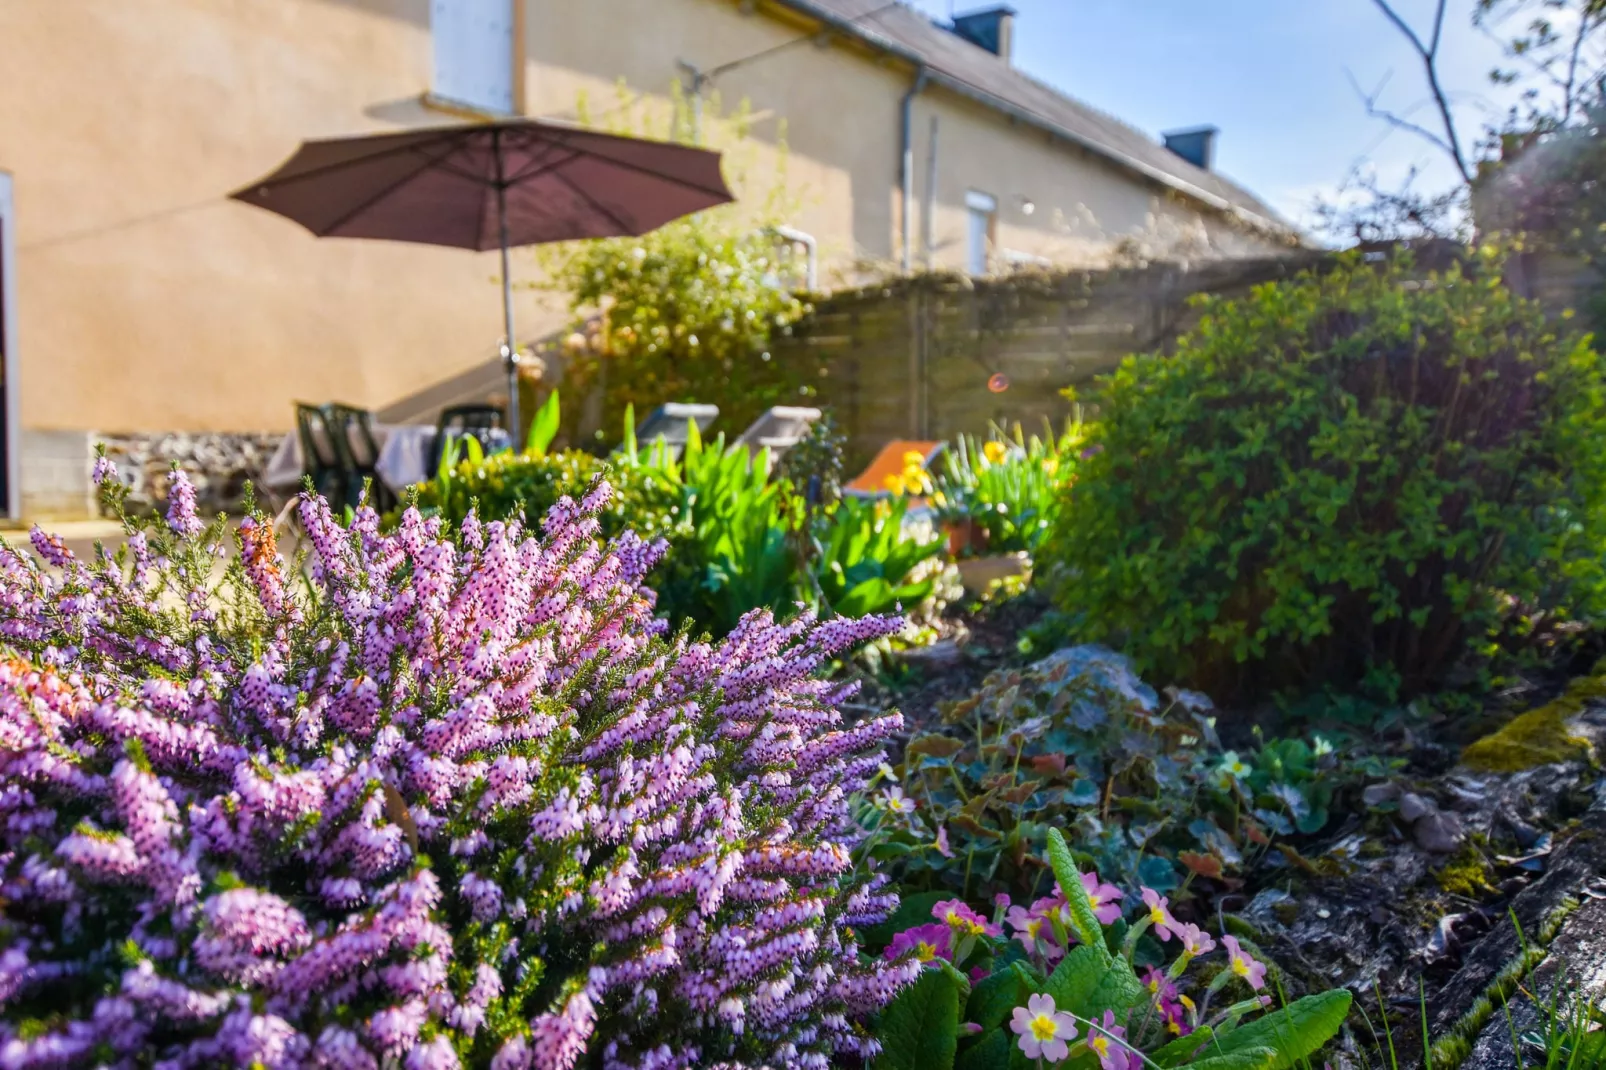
(906,163)
(928,210)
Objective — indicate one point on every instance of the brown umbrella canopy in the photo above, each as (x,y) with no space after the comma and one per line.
(439,186)
(490,186)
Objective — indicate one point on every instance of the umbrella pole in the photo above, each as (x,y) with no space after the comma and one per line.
(510,351)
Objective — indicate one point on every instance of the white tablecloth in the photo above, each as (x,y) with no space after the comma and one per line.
(404,454)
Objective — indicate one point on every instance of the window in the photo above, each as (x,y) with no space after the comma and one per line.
(983,209)
(473,43)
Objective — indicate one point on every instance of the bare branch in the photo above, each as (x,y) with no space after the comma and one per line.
(1369,101)
(1449,141)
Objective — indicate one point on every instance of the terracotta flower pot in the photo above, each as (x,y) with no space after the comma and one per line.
(966,538)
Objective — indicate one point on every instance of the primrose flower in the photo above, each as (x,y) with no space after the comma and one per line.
(928,942)
(1243,964)
(962,920)
(1159,985)
(995,452)
(1159,914)
(1108,1041)
(1045,1031)
(942,843)
(1106,898)
(894,801)
(1195,941)
(1231,769)
(1033,932)
(1174,1016)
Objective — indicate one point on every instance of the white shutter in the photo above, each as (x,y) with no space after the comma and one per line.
(473,41)
(981,208)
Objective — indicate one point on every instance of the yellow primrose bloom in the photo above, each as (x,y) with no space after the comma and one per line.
(994,452)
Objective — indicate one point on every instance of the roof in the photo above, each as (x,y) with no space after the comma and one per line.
(964,68)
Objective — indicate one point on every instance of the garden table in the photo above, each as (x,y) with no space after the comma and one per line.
(404,452)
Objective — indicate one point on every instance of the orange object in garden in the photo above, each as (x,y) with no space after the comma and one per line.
(890,464)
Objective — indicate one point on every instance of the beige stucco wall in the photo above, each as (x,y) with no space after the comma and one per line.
(147,301)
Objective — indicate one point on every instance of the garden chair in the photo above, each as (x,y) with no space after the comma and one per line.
(355,440)
(780,428)
(480,422)
(672,423)
(890,464)
(321,456)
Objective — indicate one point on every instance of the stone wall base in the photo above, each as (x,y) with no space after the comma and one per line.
(219,463)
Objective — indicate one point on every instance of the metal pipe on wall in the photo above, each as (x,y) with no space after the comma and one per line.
(906,163)
(928,210)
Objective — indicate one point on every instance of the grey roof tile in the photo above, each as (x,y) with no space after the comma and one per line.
(950,58)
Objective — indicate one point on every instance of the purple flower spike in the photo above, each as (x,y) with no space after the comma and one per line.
(435,796)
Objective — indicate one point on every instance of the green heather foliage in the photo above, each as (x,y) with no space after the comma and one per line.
(1356,476)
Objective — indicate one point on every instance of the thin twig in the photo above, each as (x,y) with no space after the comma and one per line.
(1450,141)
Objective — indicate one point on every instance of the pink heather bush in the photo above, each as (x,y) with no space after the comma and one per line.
(441,804)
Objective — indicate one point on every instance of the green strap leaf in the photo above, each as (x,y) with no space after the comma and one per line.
(920,1031)
(1180,1050)
(1083,919)
(1087,983)
(544,428)
(995,998)
(993,1053)
(1247,1059)
(1293,1033)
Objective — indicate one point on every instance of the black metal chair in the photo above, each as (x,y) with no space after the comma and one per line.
(359,451)
(321,456)
(475,421)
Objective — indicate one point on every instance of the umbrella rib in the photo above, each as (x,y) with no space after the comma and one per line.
(540,168)
(339,165)
(624,227)
(363,206)
(648,171)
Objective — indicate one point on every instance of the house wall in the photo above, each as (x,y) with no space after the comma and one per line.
(148,302)
(1084,211)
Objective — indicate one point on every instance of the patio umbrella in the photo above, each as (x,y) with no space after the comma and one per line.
(490,186)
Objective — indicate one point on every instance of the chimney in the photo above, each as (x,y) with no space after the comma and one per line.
(1197,146)
(991,28)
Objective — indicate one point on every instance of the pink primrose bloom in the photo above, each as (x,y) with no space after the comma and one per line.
(1045,1031)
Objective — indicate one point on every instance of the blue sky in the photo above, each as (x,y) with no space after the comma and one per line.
(1270,73)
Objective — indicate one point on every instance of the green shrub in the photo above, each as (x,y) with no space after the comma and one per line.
(505,485)
(1349,478)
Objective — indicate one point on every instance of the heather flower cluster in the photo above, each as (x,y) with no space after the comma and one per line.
(424,802)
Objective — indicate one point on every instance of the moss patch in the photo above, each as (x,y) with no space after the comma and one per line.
(1467,874)
(1538,737)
